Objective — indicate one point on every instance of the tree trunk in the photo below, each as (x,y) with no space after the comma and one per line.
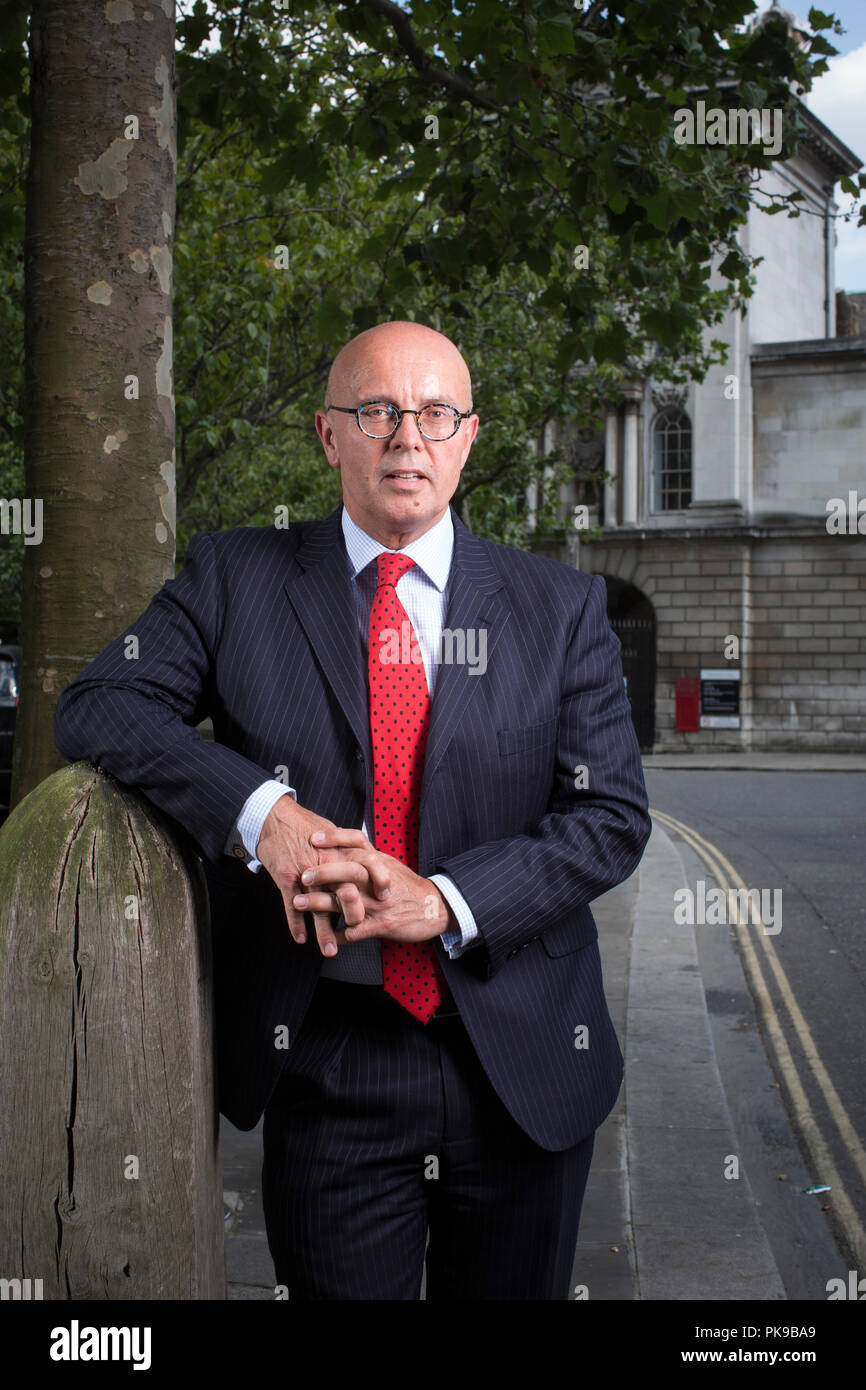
(99,404)
(109,1137)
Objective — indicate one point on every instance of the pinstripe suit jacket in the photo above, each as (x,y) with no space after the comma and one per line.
(260,632)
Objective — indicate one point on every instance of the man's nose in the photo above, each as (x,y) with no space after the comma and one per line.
(407,432)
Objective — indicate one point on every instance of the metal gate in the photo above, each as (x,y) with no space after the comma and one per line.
(638,638)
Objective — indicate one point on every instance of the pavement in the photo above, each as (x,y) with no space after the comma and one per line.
(754,760)
(684,1200)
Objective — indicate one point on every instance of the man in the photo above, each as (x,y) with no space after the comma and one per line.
(385,678)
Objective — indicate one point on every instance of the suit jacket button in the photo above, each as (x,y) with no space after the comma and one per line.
(239,852)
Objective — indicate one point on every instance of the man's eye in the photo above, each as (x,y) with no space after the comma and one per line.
(375,412)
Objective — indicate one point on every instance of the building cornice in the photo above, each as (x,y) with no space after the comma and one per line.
(801,529)
(834,152)
(820,355)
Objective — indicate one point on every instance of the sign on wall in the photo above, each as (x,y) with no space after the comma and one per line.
(720,699)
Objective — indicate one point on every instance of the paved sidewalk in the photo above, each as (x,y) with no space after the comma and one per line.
(697,1233)
(660,1219)
(249,1267)
(756,761)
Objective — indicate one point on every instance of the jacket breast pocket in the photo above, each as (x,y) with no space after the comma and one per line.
(532,738)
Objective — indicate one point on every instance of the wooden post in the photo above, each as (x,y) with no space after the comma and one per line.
(110,1179)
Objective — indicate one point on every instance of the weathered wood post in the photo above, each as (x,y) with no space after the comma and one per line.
(110,1181)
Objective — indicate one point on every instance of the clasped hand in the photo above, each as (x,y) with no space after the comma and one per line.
(325,870)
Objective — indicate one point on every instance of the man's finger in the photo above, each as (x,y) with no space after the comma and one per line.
(295,918)
(325,933)
(340,839)
(353,909)
(359,869)
(367,929)
(334,872)
(378,871)
(352,904)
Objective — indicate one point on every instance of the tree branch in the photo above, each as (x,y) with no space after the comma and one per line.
(421,61)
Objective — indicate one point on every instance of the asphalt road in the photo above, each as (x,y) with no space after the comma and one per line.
(803,833)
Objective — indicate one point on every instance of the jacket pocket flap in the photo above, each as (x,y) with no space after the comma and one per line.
(570,936)
(524,740)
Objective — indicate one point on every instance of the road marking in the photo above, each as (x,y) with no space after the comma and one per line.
(727,877)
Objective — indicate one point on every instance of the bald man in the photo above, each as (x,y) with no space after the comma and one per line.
(423,771)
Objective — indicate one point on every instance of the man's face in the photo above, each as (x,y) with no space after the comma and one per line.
(397,488)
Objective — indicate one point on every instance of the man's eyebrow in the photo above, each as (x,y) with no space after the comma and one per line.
(386,400)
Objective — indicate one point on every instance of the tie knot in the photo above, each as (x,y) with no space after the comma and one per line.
(392,566)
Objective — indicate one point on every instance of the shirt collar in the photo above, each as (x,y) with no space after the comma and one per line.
(431,552)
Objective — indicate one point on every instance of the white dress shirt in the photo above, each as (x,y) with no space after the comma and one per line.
(422,593)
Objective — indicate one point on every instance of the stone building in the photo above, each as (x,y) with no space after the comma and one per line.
(736,583)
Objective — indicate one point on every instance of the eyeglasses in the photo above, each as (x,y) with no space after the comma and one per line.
(379,419)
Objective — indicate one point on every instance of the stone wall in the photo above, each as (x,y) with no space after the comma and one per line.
(809,410)
(798,605)
(808,651)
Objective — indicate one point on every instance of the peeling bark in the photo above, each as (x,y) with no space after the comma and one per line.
(98,286)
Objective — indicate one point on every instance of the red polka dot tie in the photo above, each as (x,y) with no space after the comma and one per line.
(399,719)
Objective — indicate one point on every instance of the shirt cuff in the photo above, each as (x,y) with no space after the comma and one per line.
(246,831)
(456,940)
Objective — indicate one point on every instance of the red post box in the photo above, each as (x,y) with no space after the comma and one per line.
(688,704)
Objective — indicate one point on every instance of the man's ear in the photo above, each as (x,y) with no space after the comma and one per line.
(472,430)
(325,431)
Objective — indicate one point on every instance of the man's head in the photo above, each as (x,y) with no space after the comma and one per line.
(397,488)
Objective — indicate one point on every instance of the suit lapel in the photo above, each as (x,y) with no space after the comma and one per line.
(324,601)
(474,602)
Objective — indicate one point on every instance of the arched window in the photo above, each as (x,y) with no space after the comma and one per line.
(672,461)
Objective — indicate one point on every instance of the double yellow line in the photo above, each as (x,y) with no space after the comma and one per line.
(727,878)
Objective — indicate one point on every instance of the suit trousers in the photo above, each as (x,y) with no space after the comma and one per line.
(383,1138)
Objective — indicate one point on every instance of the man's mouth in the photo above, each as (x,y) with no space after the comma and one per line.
(406,473)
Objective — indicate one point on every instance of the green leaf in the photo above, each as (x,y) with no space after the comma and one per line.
(557,35)
(818,44)
(659,209)
(538,259)
(284,170)
(612,344)
(568,351)
(331,320)
(733,265)
(193,29)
